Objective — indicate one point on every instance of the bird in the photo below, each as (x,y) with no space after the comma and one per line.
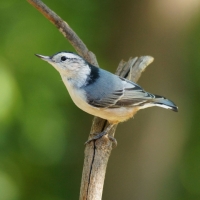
(101,93)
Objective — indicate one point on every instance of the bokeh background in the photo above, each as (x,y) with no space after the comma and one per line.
(42,132)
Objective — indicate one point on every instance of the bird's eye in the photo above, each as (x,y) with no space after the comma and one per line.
(63,58)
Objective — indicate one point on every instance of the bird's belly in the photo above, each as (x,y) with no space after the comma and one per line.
(114,115)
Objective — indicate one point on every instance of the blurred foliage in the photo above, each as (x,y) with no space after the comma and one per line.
(42,132)
(190,169)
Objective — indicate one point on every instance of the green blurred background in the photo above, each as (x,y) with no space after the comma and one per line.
(42,132)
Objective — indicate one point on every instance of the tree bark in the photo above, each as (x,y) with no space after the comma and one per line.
(97,152)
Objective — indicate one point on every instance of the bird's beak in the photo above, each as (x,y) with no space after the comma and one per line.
(45,58)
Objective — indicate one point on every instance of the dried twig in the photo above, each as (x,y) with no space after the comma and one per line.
(66,30)
(97,152)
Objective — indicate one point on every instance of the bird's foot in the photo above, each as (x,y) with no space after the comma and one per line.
(114,141)
(97,136)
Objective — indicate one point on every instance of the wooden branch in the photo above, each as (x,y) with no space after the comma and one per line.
(66,30)
(97,152)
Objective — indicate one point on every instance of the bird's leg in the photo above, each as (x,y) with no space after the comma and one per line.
(101,134)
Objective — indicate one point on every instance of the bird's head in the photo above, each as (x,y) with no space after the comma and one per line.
(69,65)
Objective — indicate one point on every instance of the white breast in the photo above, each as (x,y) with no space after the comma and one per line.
(79,98)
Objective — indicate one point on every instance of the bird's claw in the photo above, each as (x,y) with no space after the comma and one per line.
(96,137)
(100,135)
(114,141)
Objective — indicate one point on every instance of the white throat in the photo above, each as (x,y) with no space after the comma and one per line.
(76,78)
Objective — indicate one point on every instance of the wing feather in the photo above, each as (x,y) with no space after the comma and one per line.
(130,94)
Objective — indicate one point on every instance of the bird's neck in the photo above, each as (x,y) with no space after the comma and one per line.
(76,80)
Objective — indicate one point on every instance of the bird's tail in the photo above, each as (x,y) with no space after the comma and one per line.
(164,103)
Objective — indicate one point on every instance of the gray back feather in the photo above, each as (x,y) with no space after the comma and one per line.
(112,91)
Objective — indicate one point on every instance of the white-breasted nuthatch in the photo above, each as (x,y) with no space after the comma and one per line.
(101,93)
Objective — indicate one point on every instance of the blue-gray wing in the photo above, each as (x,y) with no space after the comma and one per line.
(111,91)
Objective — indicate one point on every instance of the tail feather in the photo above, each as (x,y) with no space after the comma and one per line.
(165,103)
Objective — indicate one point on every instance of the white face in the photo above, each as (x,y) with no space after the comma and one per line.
(64,56)
(70,66)
(66,62)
